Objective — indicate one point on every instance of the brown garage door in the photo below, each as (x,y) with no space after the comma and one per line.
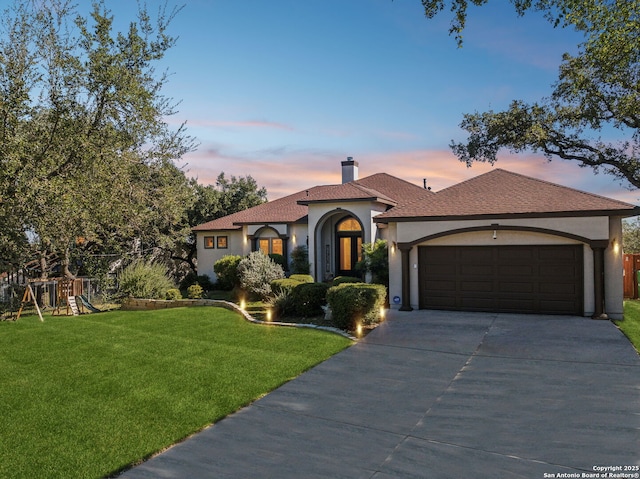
(521,279)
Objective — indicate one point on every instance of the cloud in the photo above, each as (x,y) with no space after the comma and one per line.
(232,124)
(285,170)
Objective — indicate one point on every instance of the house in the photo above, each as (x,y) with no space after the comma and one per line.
(498,242)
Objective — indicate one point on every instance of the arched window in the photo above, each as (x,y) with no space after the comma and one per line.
(349,224)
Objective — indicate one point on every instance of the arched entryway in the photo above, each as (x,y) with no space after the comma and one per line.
(349,236)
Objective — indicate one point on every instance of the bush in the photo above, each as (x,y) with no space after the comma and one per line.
(352,303)
(256,272)
(173,294)
(226,269)
(189,279)
(283,285)
(300,260)
(205,282)
(278,259)
(195,291)
(308,298)
(302,278)
(345,279)
(375,260)
(281,304)
(142,279)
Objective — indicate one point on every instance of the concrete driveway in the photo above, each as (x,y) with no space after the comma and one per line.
(433,394)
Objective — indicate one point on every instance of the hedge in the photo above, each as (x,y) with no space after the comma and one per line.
(302,278)
(284,285)
(308,298)
(353,303)
(345,279)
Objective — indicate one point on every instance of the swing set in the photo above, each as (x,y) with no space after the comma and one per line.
(69,295)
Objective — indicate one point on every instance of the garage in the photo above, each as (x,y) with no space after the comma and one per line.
(546,279)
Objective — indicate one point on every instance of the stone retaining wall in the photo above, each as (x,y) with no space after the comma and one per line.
(133,304)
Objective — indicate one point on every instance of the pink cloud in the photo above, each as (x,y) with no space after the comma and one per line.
(284,171)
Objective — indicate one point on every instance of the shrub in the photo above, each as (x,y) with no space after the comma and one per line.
(256,272)
(302,278)
(205,282)
(195,291)
(281,304)
(226,269)
(300,260)
(189,279)
(375,260)
(278,259)
(144,279)
(173,294)
(345,279)
(283,285)
(308,298)
(355,302)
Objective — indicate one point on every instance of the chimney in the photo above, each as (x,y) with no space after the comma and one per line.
(349,170)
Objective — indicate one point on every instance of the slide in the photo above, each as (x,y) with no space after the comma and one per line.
(88,305)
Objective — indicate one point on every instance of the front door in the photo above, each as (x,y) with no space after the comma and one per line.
(349,246)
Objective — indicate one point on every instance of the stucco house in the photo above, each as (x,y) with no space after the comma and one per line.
(498,242)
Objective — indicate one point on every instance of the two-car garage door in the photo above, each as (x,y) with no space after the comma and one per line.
(544,279)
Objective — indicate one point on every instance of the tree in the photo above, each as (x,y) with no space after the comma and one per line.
(631,235)
(210,202)
(85,151)
(238,194)
(598,91)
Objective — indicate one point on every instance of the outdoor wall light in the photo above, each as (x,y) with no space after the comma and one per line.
(495,234)
(616,246)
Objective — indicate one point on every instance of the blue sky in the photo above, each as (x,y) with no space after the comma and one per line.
(284,90)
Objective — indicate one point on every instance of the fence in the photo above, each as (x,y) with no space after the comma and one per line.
(631,264)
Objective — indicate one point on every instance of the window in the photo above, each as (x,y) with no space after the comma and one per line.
(276,246)
(222,242)
(350,224)
(271,246)
(208,242)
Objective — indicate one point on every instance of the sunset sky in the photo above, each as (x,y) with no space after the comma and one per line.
(284,90)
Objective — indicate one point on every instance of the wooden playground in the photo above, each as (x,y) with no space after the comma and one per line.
(65,296)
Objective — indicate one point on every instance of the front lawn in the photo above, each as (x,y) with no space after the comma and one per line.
(88,396)
(631,324)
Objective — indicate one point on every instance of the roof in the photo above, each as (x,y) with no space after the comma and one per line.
(503,193)
(282,210)
(380,187)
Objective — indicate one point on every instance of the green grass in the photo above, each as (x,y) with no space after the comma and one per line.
(85,397)
(631,324)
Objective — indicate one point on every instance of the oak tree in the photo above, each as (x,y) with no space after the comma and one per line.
(593,113)
(85,150)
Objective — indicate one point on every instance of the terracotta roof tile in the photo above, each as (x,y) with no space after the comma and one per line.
(501,192)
